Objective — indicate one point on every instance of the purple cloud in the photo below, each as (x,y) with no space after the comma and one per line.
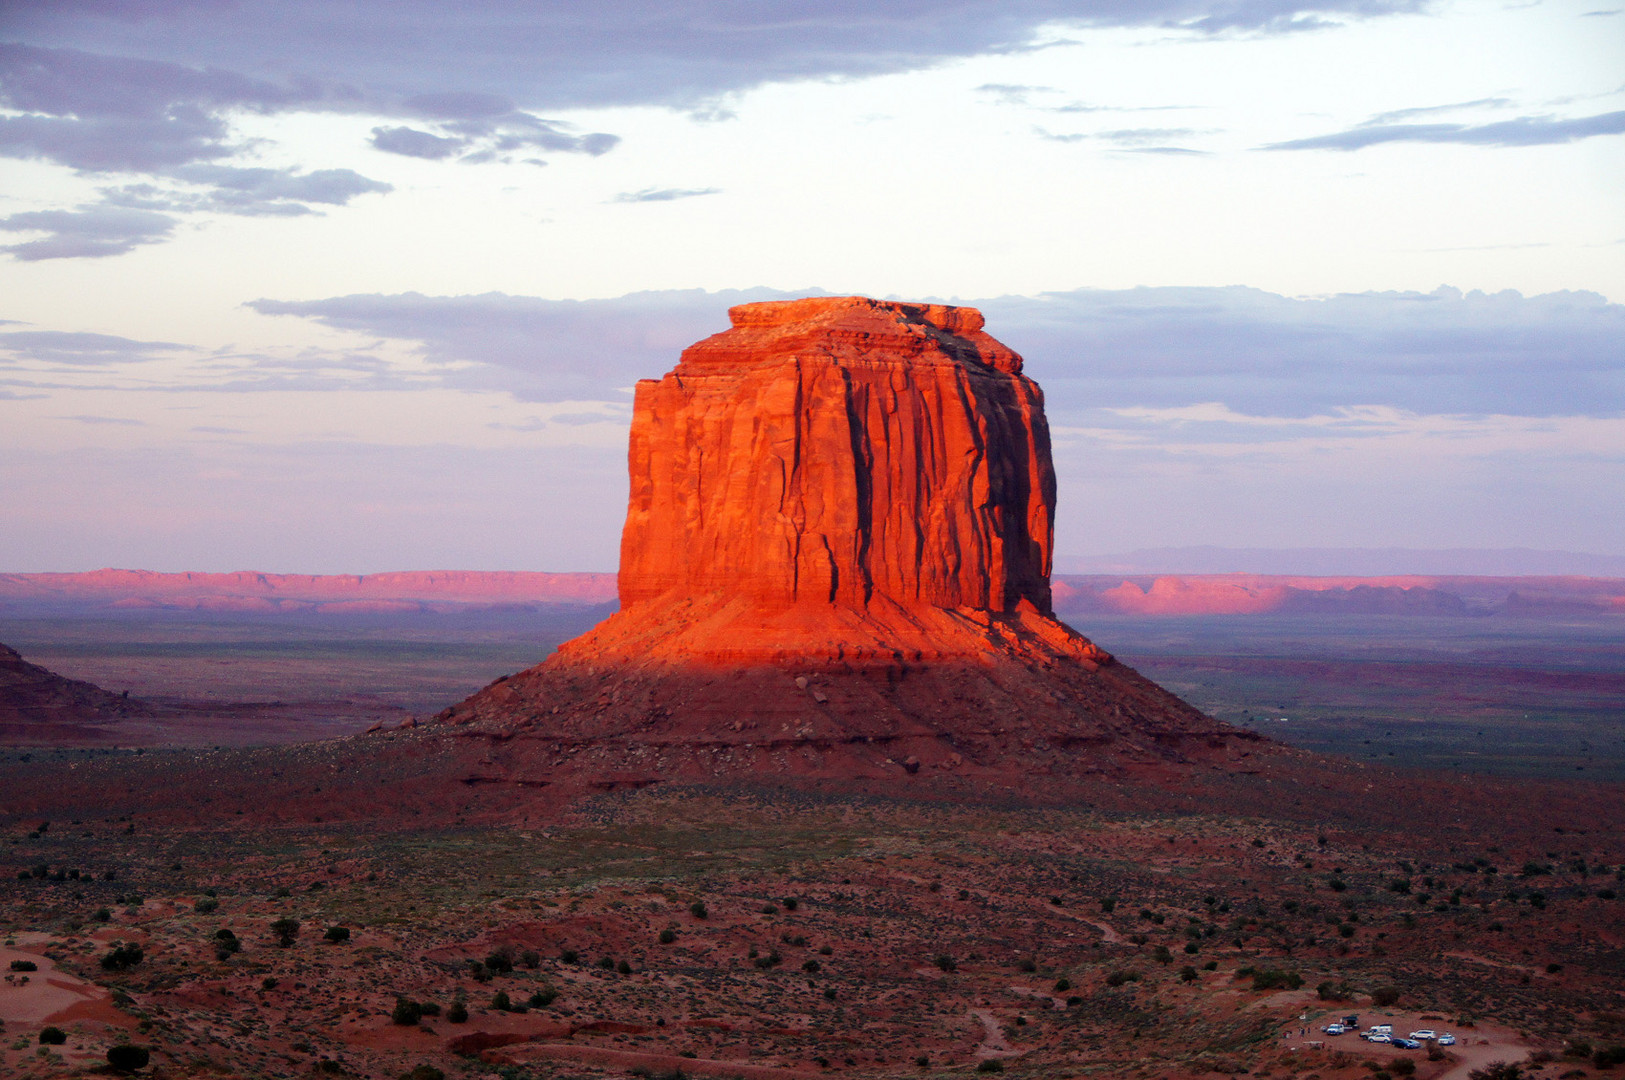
(82,349)
(409,142)
(1259,353)
(89,232)
(1523,131)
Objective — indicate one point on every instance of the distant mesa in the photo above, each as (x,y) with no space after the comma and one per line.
(34,699)
(836,562)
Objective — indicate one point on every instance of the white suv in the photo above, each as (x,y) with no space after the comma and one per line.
(1424,1035)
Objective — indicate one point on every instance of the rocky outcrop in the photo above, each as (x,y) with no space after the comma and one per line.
(835,563)
(827,450)
(32,695)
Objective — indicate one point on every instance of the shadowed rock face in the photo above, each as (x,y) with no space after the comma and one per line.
(827,450)
(836,564)
(31,695)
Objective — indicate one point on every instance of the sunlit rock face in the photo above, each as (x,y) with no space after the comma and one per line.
(835,565)
(828,450)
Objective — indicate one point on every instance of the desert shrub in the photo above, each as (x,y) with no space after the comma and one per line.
(1337,884)
(1187,974)
(127,1058)
(429,1008)
(772,959)
(829,993)
(1120,977)
(811,967)
(569,956)
(122,956)
(791,903)
(990,1065)
(424,1072)
(1497,1070)
(667,936)
(500,960)
(770,909)
(1192,948)
(1402,1067)
(922,1062)
(1027,965)
(285,930)
(607,963)
(102,914)
(544,997)
(337,934)
(1062,985)
(24,965)
(1275,979)
(479,972)
(1606,894)
(203,905)
(1609,1057)
(501,1002)
(945,962)
(458,1013)
(531,959)
(1383,996)
(1161,955)
(626,969)
(1334,991)
(52,1036)
(406,1012)
(697,909)
(268,983)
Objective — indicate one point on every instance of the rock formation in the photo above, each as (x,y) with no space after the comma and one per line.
(836,560)
(31,696)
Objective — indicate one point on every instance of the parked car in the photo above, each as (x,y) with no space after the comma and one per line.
(1334,1029)
(1377,1037)
(1386,1029)
(1447,1039)
(1406,1044)
(1425,1034)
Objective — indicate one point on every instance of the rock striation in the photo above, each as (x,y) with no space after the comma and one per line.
(836,562)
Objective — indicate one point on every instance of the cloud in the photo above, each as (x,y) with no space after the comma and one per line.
(1264,354)
(274,191)
(1522,131)
(409,142)
(437,61)
(1168,348)
(119,421)
(82,349)
(662,194)
(540,350)
(93,231)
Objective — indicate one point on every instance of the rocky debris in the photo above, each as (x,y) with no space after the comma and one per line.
(836,563)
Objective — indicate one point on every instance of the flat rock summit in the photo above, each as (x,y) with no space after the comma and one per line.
(836,563)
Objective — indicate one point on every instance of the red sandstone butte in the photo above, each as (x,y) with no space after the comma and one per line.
(839,535)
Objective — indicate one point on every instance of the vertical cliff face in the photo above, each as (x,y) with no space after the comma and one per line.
(831,450)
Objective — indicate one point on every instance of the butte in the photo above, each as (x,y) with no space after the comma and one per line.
(836,565)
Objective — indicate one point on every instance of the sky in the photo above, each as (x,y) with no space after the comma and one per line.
(344,286)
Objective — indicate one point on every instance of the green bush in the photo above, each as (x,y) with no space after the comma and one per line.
(24,965)
(1062,985)
(667,936)
(122,956)
(285,930)
(406,1012)
(52,1036)
(203,905)
(337,934)
(544,997)
(990,1065)
(1274,979)
(697,909)
(1384,996)
(501,1002)
(1187,974)
(945,962)
(1118,978)
(458,1013)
